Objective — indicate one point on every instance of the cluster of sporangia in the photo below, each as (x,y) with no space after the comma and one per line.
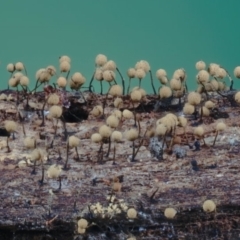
(198,103)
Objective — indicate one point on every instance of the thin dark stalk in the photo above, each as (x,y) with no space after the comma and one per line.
(60,183)
(133,151)
(109,147)
(140,81)
(34,167)
(25,70)
(123,82)
(42,112)
(67,150)
(77,153)
(41,181)
(154,90)
(114,153)
(215,138)
(8,148)
(65,128)
(67,75)
(54,135)
(90,84)
(105,101)
(101,88)
(128,89)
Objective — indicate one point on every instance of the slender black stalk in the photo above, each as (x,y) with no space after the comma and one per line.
(140,144)
(123,82)
(65,165)
(54,135)
(109,146)
(60,183)
(42,180)
(67,75)
(154,90)
(77,153)
(133,151)
(114,153)
(128,89)
(64,128)
(90,84)
(101,87)
(8,148)
(140,81)
(215,138)
(25,70)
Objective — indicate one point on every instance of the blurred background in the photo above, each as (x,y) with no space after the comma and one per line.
(167,34)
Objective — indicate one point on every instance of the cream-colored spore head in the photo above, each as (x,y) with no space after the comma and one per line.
(200,65)
(221,73)
(140,73)
(62,82)
(10,67)
(97,111)
(24,81)
(19,66)
(82,223)
(10,126)
(13,82)
(170,213)
(108,75)
(165,92)
(51,69)
(117,113)
(199,131)
(203,76)
(54,171)
(100,60)
(118,103)
(182,121)
(237,72)
(29,142)
(98,75)
(209,104)
(132,134)
(55,111)
(53,99)
(127,114)
(105,131)
(237,97)
(143,64)
(73,141)
(116,136)
(180,74)
(96,138)
(221,127)
(112,121)
(132,213)
(194,98)
(161,73)
(136,95)
(110,65)
(161,130)
(213,68)
(64,58)
(38,154)
(175,84)
(131,72)
(209,206)
(116,91)
(64,66)
(188,109)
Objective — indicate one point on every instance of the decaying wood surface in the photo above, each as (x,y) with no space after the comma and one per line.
(149,185)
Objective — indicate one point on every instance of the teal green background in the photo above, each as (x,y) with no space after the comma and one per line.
(169,34)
